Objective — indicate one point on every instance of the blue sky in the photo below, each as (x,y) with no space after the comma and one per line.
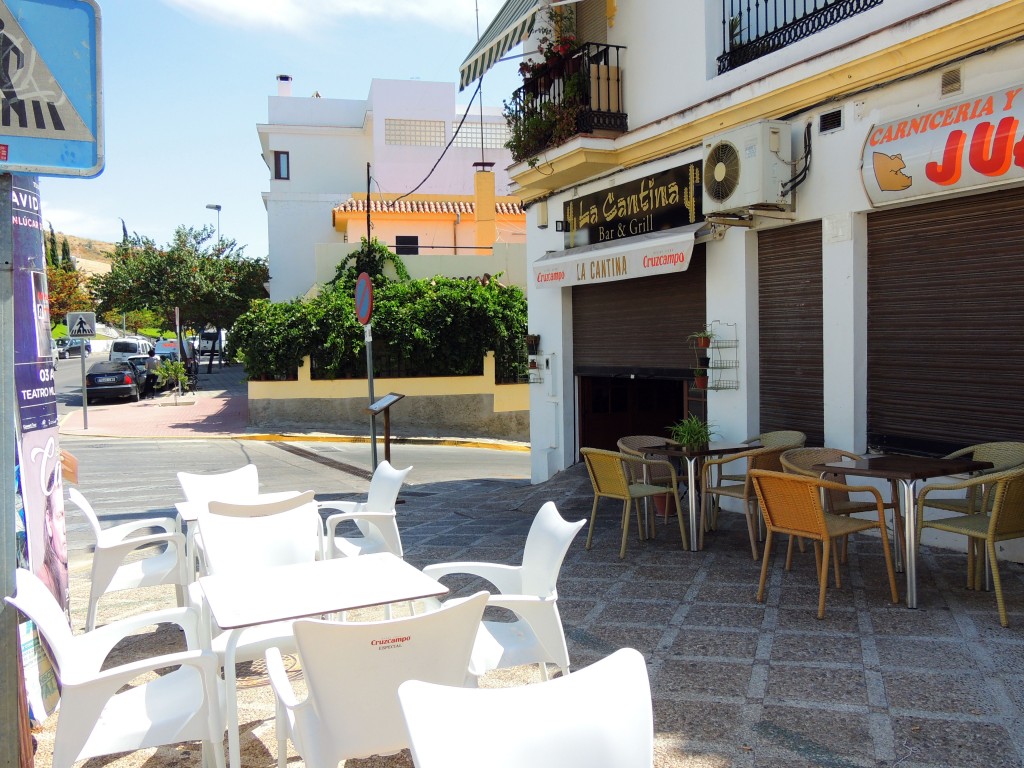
(185,83)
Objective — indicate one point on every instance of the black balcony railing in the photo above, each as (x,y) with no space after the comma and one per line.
(563,97)
(754,28)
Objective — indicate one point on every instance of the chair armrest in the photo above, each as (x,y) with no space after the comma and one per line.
(279,680)
(109,681)
(95,646)
(124,530)
(126,546)
(506,578)
(341,507)
(514,602)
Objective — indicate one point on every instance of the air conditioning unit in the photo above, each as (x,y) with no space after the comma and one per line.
(745,168)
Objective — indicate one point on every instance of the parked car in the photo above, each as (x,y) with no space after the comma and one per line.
(113,378)
(211,340)
(68,347)
(54,353)
(122,349)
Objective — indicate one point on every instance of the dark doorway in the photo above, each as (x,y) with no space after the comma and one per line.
(615,406)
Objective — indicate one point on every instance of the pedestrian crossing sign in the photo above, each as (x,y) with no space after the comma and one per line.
(81,325)
(50,108)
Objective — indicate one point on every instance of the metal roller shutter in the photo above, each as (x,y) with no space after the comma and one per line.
(592,21)
(639,326)
(946,323)
(790,319)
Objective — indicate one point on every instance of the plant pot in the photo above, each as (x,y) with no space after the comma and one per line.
(700,382)
(703,342)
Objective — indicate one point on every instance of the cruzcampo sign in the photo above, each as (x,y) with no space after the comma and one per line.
(975,142)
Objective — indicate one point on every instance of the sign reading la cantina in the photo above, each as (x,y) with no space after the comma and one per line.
(655,256)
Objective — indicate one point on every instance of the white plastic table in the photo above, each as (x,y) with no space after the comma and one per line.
(249,598)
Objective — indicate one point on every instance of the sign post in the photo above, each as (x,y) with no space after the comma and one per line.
(82,325)
(364,312)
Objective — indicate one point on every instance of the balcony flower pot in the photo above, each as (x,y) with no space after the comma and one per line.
(700,378)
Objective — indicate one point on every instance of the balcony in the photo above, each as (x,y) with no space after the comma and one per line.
(566,96)
(754,28)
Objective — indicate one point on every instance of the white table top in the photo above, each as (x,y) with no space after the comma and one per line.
(188,511)
(309,589)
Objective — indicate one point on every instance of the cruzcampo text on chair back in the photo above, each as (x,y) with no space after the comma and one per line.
(606,472)
(35,600)
(790,503)
(353,670)
(546,544)
(276,533)
(236,485)
(785,437)
(597,717)
(384,487)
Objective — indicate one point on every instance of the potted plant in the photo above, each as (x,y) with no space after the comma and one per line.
(700,378)
(692,432)
(702,337)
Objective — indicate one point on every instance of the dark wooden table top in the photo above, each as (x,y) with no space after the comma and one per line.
(894,467)
(669,448)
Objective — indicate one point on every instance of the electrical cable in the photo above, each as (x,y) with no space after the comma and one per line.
(801,176)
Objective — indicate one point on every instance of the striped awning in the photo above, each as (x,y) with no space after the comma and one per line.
(512,23)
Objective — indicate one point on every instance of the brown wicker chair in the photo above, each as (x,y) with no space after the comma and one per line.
(792,504)
(799,462)
(785,437)
(611,475)
(637,446)
(1003,455)
(711,492)
(1003,500)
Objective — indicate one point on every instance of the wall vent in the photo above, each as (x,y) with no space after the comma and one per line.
(830,121)
(951,82)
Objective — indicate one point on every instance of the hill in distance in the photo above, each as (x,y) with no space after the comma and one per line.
(92,256)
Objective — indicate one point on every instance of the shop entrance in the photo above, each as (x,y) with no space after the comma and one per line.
(615,406)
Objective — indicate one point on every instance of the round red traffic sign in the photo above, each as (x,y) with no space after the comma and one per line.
(364,298)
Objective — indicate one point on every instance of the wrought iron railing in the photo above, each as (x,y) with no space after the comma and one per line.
(566,97)
(754,28)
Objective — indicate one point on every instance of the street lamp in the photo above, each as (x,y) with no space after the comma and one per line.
(216,207)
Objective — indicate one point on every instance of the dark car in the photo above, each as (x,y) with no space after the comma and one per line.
(67,347)
(112,378)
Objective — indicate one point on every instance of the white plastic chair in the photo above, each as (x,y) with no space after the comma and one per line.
(528,590)
(598,717)
(375,518)
(352,672)
(98,717)
(110,572)
(247,537)
(235,485)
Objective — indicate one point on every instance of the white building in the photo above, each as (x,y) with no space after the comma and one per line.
(317,150)
(863,271)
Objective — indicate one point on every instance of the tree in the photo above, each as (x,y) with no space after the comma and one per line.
(51,248)
(66,262)
(67,289)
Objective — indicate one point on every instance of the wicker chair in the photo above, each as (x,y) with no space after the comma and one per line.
(1003,455)
(792,504)
(638,446)
(799,462)
(711,491)
(1003,500)
(787,437)
(612,479)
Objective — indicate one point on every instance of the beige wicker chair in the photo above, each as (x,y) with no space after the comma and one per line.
(1003,500)
(1003,455)
(612,479)
(799,461)
(637,446)
(785,437)
(792,504)
(711,492)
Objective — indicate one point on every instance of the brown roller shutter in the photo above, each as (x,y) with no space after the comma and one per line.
(790,319)
(592,21)
(946,323)
(639,326)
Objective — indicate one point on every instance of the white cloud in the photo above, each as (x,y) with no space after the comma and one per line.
(298,16)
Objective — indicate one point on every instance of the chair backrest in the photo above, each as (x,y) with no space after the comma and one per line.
(606,471)
(237,485)
(790,503)
(240,537)
(34,599)
(1003,455)
(597,717)
(787,437)
(1008,505)
(767,458)
(90,514)
(546,544)
(384,487)
(799,461)
(353,670)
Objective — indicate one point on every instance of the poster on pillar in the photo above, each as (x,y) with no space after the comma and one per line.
(40,532)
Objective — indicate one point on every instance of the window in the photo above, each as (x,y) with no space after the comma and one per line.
(407,245)
(414,133)
(494,135)
(281,170)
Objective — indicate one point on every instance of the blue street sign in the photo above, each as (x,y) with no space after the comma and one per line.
(51,112)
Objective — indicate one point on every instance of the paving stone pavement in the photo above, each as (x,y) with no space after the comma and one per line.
(734,683)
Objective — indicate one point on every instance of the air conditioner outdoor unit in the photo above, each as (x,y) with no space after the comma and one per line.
(745,168)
